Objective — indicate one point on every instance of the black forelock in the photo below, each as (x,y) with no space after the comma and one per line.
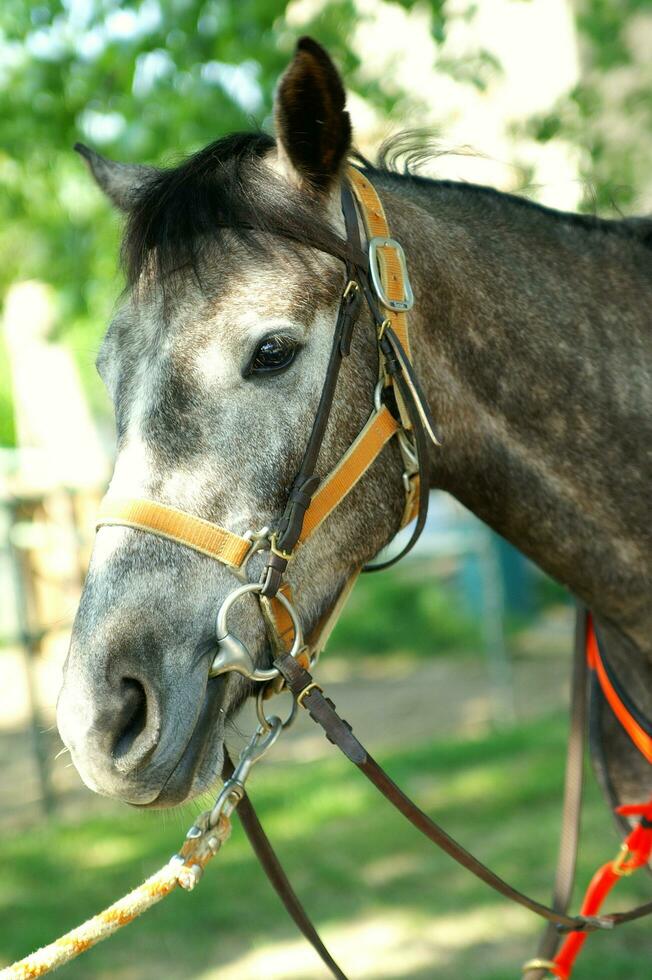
(182,209)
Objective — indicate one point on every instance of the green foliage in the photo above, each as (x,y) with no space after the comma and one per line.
(381,605)
(152,80)
(348,852)
(439,15)
(602,23)
(608,115)
(478,70)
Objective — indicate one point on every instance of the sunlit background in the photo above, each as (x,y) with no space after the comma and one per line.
(454,667)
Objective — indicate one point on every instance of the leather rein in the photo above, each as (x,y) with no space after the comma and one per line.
(377,274)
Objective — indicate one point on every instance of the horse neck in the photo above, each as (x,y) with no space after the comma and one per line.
(532,338)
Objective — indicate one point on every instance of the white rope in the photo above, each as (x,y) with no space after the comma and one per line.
(184,869)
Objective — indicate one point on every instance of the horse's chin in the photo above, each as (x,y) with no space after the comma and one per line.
(193,775)
(182,788)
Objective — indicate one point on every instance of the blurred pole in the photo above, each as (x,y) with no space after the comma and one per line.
(493,631)
(51,412)
(30,644)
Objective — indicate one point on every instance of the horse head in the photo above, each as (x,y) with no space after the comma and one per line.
(215,363)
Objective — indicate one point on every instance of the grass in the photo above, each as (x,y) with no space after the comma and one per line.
(352,859)
(380,606)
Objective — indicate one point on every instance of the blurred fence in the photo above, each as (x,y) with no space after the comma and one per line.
(49,490)
(43,563)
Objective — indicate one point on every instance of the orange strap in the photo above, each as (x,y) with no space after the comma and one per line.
(193,532)
(281,617)
(168,522)
(376,226)
(363,451)
(637,846)
(639,737)
(634,853)
(218,543)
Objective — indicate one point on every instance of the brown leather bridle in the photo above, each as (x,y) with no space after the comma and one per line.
(378,275)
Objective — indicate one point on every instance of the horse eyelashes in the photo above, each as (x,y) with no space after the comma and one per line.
(273,354)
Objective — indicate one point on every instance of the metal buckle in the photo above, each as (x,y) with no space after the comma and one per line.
(541,964)
(306,691)
(382,328)
(259,542)
(274,548)
(397,305)
(619,864)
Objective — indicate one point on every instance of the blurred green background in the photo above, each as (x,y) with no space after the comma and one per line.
(550,98)
(155,80)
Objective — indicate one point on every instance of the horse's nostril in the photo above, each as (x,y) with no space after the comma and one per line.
(133,715)
(138,727)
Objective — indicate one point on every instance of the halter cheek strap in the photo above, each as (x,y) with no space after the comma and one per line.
(387,254)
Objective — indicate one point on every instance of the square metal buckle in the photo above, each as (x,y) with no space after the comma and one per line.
(397,305)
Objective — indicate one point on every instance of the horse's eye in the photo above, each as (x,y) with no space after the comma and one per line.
(273,355)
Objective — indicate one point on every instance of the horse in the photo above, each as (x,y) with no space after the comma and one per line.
(530,334)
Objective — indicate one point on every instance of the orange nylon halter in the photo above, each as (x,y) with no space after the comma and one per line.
(234,550)
(231,549)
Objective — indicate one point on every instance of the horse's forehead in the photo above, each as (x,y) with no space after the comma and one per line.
(229,298)
(182,363)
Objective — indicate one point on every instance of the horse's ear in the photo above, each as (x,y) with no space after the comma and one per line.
(312,125)
(121,182)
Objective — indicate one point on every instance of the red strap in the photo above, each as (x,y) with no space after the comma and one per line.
(639,737)
(634,853)
(637,846)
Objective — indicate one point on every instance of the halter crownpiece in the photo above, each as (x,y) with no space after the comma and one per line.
(380,277)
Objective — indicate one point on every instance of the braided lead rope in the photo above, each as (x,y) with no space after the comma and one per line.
(184,869)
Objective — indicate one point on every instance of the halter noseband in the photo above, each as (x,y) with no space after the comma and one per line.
(400,409)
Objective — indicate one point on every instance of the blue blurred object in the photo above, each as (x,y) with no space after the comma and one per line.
(518,578)
(484,574)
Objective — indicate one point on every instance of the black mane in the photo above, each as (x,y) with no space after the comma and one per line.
(222,186)
(401,155)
